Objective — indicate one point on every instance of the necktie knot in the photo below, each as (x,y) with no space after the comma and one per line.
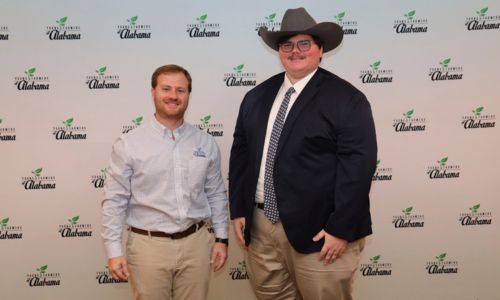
(289,92)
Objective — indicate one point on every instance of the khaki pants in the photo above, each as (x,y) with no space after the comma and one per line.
(163,269)
(277,271)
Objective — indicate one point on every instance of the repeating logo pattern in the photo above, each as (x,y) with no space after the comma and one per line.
(38,181)
(69,131)
(32,81)
(475,216)
(98,180)
(409,122)
(478,119)
(136,122)
(133,29)
(239,77)
(203,29)
(214,129)
(482,21)
(441,266)
(74,229)
(105,277)
(4,33)
(239,272)
(443,170)
(446,71)
(350,27)
(270,23)
(61,30)
(376,74)
(43,278)
(9,231)
(408,219)
(7,133)
(382,173)
(102,81)
(411,24)
(376,267)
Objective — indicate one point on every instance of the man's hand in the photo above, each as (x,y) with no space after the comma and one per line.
(219,256)
(118,267)
(239,227)
(332,248)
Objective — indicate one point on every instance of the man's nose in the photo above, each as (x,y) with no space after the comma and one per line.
(173,94)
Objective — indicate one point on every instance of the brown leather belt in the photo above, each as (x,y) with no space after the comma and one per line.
(177,235)
(259,205)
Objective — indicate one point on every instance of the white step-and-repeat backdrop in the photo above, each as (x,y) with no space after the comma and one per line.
(76,74)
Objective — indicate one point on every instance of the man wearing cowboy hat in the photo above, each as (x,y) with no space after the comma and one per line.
(302,159)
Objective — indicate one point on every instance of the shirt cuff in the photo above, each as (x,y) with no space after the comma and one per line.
(114,250)
(220,233)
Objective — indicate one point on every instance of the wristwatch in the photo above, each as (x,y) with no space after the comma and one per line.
(221,240)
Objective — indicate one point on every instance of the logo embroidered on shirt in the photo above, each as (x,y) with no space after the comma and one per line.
(199,153)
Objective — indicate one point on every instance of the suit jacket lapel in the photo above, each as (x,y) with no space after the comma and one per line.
(263,111)
(304,98)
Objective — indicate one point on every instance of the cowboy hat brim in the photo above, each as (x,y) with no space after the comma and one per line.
(330,33)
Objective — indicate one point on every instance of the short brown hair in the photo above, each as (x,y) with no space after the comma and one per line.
(168,69)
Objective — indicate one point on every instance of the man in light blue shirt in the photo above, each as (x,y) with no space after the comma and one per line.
(164,181)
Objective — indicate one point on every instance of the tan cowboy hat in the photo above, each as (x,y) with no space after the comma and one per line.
(298,21)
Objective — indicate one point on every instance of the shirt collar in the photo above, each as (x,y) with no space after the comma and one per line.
(299,85)
(164,131)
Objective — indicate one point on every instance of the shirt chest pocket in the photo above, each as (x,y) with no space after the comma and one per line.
(197,170)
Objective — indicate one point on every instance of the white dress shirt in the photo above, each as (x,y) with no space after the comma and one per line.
(298,87)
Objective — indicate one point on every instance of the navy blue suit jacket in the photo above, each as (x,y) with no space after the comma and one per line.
(324,163)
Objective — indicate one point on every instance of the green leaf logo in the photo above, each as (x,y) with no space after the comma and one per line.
(42,269)
(482,12)
(443,161)
(62,21)
(375,65)
(4,222)
(340,16)
(475,208)
(74,220)
(37,172)
(375,259)
(478,111)
(137,121)
(239,68)
(242,266)
(441,257)
(407,211)
(445,62)
(408,114)
(101,71)
(30,72)
(409,16)
(270,18)
(202,19)
(133,20)
(205,119)
(103,171)
(68,122)
(378,162)
(0,121)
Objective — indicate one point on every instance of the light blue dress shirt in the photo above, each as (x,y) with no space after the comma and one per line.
(162,180)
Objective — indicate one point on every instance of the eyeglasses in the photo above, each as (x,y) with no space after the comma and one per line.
(303,46)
